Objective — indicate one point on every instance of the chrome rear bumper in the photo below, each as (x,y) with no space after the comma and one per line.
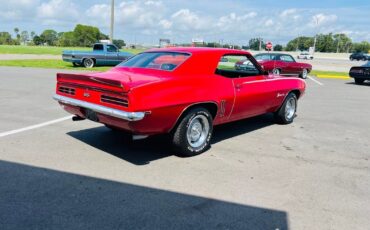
(129,116)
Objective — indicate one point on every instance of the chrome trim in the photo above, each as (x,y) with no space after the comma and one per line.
(129,116)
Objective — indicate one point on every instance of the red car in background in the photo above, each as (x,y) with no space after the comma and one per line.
(280,64)
(173,91)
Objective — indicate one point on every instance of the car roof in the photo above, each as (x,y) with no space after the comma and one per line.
(274,54)
(196,50)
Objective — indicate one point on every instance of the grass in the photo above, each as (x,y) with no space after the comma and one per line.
(52,50)
(330,74)
(47,64)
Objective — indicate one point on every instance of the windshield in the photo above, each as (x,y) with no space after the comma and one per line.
(156,60)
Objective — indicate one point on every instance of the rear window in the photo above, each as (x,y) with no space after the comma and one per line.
(156,60)
(98,47)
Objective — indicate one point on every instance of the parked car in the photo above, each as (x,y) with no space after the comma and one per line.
(359,57)
(173,91)
(305,55)
(279,63)
(360,73)
(102,55)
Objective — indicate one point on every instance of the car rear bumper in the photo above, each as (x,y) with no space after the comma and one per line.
(128,116)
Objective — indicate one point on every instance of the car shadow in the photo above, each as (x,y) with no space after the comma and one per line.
(39,198)
(366,83)
(142,152)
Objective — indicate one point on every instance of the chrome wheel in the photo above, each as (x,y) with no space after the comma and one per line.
(198,131)
(89,63)
(276,71)
(304,73)
(290,108)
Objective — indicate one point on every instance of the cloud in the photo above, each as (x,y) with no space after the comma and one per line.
(288,12)
(322,19)
(56,11)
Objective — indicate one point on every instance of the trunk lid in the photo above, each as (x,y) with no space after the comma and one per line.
(113,80)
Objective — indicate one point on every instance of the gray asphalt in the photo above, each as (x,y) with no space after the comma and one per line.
(312,174)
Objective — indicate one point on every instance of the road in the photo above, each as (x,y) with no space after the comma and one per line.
(312,174)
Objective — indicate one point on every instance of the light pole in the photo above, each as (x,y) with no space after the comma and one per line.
(317,25)
(111,22)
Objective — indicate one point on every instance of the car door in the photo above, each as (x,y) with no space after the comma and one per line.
(254,95)
(291,67)
(112,55)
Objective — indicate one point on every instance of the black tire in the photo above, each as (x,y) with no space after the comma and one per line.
(281,116)
(180,138)
(88,63)
(75,64)
(364,58)
(351,59)
(359,81)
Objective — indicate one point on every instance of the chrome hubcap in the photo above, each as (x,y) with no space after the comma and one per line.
(304,73)
(290,108)
(198,131)
(276,71)
(88,63)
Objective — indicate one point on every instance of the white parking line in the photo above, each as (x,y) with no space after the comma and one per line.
(316,81)
(34,126)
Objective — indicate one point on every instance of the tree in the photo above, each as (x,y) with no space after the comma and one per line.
(37,40)
(119,43)
(325,43)
(300,43)
(16,31)
(361,47)
(278,47)
(254,43)
(341,42)
(33,34)
(67,39)
(24,37)
(49,36)
(86,35)
(6,38)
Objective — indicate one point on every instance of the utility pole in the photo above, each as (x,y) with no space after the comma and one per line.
(317,25)
(111,22)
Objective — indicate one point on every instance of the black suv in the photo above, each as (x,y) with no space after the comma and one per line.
(359,57)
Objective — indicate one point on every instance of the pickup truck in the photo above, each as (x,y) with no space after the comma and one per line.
(102,55)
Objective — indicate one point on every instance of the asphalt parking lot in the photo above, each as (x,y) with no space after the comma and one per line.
(312,174)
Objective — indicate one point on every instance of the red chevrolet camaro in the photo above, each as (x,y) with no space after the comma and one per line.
(175,91)
(280,64)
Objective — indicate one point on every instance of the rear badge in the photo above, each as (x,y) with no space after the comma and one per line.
(86,94)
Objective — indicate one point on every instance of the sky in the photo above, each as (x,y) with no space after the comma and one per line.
(226,21)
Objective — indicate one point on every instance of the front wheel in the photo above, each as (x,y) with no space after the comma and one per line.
(193,134)
(276,71)
(88,63)
(287,112)
(359,81)
(304,74)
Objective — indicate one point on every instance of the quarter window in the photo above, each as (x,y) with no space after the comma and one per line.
(287,58)
(235,66)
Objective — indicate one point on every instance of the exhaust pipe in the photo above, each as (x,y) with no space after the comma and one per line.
(77,118)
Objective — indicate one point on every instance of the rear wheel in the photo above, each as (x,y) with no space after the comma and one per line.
(304,74)
(193,134)
(75,64)
(359,81)
(287,112)
(88,63)
(351,58)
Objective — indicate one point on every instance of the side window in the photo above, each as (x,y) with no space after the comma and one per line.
(235,66)
(287,58)
(263,57)
(112,48)
(98,47)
